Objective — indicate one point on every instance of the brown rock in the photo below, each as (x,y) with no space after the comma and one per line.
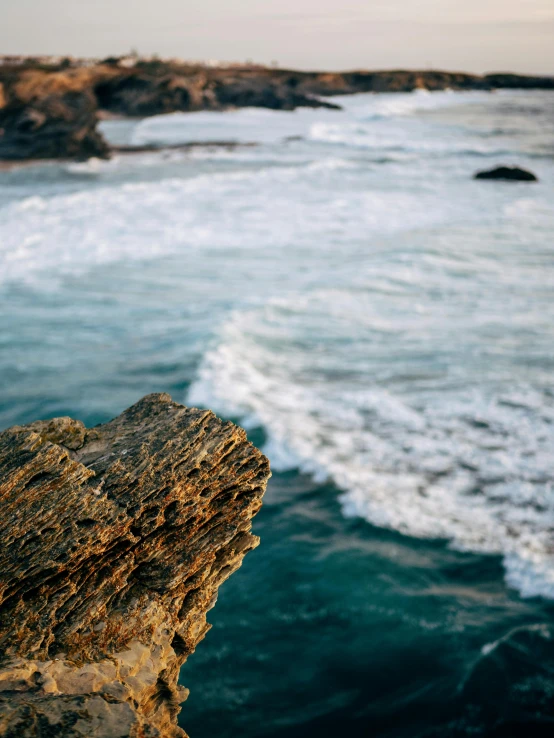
(50,110)
(114,542)
(49,115)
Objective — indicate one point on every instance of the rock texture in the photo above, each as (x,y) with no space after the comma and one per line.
(114,542)
(151,88)
(49,110)
(48,115)
(514,174)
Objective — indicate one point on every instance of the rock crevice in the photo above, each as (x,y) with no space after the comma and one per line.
(114,543)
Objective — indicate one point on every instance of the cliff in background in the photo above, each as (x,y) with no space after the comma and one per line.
(51,110)
(113,543)
(48,115)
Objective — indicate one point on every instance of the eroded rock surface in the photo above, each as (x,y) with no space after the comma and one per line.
(47,115)
(113,543)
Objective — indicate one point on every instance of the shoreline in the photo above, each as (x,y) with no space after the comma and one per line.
(51,111)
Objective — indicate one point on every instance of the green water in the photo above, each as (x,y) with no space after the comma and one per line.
(334,627)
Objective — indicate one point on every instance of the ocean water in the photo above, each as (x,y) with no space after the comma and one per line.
(383,326)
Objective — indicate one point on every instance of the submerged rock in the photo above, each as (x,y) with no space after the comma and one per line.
(507,173)
(114,542)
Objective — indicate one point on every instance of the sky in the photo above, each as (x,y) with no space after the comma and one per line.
(468,35)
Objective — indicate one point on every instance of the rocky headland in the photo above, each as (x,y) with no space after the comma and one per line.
(114,542)
(50,109)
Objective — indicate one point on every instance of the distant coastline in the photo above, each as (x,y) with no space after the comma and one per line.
(50,106)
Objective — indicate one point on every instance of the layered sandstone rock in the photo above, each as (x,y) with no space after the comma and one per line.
(113,543)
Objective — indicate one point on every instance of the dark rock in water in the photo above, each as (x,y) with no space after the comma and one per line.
(514,174)
(151,148)
(113,543)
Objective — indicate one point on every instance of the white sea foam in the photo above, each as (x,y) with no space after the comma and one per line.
(247,125)
(92,166)
(446,454)
(255,125)
(391,136)
(394,104)
(272,207)
(391,321)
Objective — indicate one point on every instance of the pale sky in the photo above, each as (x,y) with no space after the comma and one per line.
(468,35)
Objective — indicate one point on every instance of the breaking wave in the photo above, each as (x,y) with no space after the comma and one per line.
(418,432)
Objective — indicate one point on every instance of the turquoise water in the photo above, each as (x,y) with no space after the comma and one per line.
(336,627)
(383,325)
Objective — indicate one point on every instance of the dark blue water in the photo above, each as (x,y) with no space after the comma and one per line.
(335,627)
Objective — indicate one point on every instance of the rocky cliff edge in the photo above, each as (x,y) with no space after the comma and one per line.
(113,544)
